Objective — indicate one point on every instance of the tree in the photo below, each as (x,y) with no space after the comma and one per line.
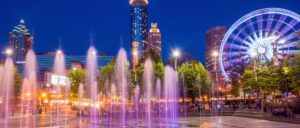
(76,77)
(189,75)
(235,79)
(106,74)
(18,82)
(266,80)
(295,74)
(158,69)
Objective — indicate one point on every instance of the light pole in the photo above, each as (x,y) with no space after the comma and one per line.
(282,42)
(135,58)
(215,55)
(8,52)
(135,55)
(176,54)
(255,57)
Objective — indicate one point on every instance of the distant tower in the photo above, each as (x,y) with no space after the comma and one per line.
(154,40)
(139,23)
(20,41)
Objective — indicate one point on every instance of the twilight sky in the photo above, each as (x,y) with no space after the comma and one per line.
(183,23)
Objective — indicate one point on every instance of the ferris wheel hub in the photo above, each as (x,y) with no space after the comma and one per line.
(261,50)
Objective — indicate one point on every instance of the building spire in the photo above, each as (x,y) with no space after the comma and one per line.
(135,2)
(22,21)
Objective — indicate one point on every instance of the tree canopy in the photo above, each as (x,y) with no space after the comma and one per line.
(193,79)
(76,77)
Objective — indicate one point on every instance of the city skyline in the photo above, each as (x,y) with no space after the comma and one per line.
(150,63)
(80,26)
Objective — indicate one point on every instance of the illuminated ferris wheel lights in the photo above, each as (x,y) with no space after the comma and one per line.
(282,41)
(259,35)
(253,54)
(273,37)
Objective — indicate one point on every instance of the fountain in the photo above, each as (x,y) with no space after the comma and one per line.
(29,89)
(158,97)
(154,103)
(92,75)
(121,78)
(60,70)
(112,103)
(137,102)
(7,89)
(170,94)
(80,97)
(148,87)
(2,91)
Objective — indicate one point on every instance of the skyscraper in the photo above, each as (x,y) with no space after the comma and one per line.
(154,40)
(214,37)
(139,23)
(20,41)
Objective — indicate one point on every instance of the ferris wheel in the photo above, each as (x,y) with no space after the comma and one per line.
(264,35)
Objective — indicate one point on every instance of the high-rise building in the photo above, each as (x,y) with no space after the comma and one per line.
(214,37)
(20,41)
(154,40)
(139,23)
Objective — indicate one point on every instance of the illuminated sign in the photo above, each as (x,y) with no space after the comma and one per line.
(58,80)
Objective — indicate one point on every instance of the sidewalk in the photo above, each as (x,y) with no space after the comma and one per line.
(17,115)
(266,116)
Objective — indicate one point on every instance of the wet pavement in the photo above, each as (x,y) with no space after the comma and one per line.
(71,121)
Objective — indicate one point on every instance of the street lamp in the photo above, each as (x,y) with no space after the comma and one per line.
(74,69)
(135,62)
(215,55)
(282,42)
(176,54)
(8,51)
(255,59)
(135,53)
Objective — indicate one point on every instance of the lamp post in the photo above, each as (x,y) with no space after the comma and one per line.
(176,54)
(135,56)
(215,55)
(255,57)
(8,52)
